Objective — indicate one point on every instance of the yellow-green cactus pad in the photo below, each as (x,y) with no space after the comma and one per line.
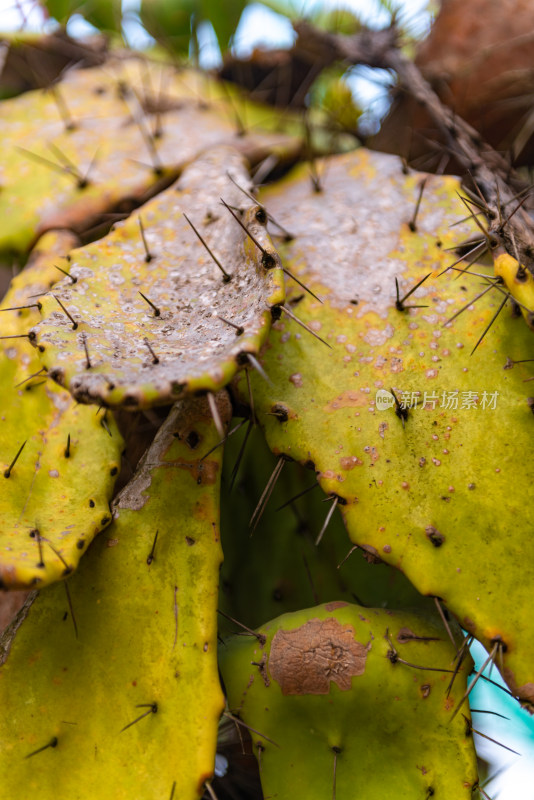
(350,702)
(144,603)
(279,568)
(55,497)
(46,262)
(438,490)
(519,282)
(105,139)
(152,315)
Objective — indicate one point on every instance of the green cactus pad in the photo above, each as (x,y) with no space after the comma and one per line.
(335,712)
(107,138)
(159,320)
(278,568)
(145,612)
(55,498)
(442,493)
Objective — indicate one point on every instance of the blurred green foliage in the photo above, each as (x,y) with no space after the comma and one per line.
(174,23)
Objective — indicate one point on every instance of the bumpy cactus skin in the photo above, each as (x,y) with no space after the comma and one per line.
(147,350)
(336,713)
(441,496)
(145,612)
(55,498)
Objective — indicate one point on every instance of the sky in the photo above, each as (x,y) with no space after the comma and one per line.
(260,26)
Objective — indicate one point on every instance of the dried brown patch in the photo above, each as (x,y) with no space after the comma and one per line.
(448,703)
(10,604)
(335,604)
(370,554)
(203,472)
(349,462)
(348,399)
(306,660)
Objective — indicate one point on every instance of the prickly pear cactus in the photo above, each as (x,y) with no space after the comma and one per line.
(105,139)
(274,566)
(59,461)
(345,701)
(403,394)
(173,300)
(113,691)
(519,282)
(433,489)
(46,265)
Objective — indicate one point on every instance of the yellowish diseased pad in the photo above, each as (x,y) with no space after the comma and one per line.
(444,497)
(146,642)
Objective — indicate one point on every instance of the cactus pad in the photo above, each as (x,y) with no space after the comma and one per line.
(144,602)
(338,709)
(104,140)
(519,282)
(438,489)
(43,269)
(55,496)
(279,568)
(153,315)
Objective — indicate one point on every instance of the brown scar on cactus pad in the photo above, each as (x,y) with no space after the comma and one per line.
(440,493)
(136,696)
(57,461)
(109,159)
(307,659)
(149,331)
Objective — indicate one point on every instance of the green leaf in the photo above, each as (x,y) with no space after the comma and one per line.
(224,17)
(169,22)
(62,10)
(106,15)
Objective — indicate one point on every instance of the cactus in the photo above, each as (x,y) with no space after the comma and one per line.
(143,604)
(276,562)
(435,473)
(164,314)
(59,462)
(46,263)
(61,144)
(360,344)
(519,282)
(309,686)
